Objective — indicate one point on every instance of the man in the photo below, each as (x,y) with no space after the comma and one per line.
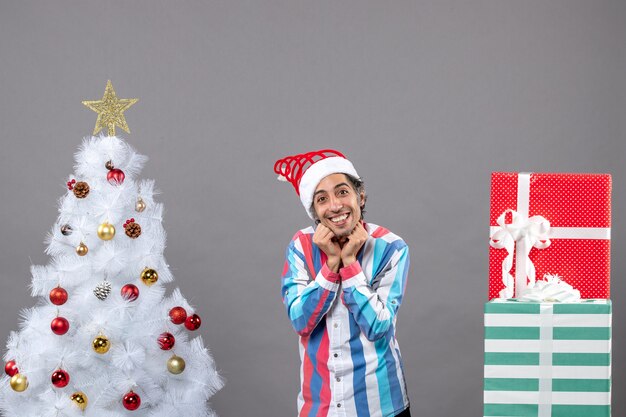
(342,285)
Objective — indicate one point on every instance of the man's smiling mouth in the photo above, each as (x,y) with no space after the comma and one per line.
(340,218)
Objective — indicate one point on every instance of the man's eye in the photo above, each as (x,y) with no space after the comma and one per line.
(343,192)
(321,199)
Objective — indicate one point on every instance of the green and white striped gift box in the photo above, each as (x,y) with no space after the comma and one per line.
(547,359)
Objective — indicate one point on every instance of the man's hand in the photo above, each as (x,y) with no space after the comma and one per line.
(356,239)
(324,238)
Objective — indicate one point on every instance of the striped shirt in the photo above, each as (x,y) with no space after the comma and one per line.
(350,359)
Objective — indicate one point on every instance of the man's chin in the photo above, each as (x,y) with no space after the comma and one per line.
(340,232)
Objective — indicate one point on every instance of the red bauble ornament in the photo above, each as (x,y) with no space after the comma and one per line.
(116,176)
(11,368)
(131,401)
(60,325)
(193,322)
(60,378)
(178,315)
(130,292)
(166,341)
(58,296)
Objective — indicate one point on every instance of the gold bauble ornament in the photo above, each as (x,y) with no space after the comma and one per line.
(101,344)
(176,365)
(19,382)
(140,205)
(149,276)
(82,249)
(106,231)
(80,399)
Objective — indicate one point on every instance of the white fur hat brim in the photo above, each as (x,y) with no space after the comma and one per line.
(316,173)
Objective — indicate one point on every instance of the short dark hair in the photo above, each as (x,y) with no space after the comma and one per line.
(359,187)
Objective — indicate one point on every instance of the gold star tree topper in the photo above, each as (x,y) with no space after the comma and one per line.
(110,110)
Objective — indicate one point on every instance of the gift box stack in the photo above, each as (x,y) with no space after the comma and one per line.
(548,321)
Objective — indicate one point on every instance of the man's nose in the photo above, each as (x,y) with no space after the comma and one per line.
(335,204)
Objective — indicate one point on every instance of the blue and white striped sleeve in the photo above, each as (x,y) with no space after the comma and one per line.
(374,310)
(307,300)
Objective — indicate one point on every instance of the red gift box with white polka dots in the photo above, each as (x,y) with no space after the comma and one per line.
(570,202)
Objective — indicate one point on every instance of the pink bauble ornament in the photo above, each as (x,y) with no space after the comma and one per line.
(131,401)
(60,378)
(116,176)
(178,315)
(60,325)
(130,292)
(166,341)
(193,322)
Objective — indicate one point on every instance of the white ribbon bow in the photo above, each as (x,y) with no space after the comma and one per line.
(551,289)
(527,233)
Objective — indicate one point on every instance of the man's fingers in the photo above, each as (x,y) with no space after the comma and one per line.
(323,230)
(326,234)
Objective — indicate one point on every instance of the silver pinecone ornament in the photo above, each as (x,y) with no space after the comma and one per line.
(102,290)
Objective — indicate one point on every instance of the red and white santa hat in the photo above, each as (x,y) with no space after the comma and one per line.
(305,171)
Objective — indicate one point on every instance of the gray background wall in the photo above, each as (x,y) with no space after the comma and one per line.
(426,98)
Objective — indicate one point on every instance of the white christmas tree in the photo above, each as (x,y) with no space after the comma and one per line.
(104,340)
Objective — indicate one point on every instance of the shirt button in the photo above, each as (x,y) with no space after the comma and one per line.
(338,379)
(336,325)
(339,405)
(335,355)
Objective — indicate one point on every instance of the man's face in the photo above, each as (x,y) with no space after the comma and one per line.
(336,204)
